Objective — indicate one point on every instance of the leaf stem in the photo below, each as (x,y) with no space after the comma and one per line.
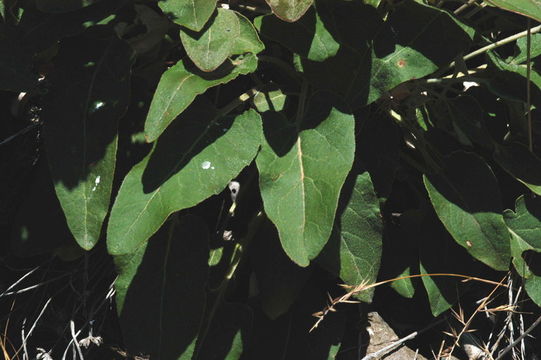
(241,99)
(528,84)
(492,46)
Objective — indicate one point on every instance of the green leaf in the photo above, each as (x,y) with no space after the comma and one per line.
(525,226)
(467,200)
(530,8)
(193,160)
(90,92)
(375,56)
(160,290)
(521,70)
(533,288)
(273,100)
(354,250)
(522,55)
(289,10)
(209,48)
(404,286)
(301,174)
(279,280)
(307,37)
(179,86)
(248,40)
(520,163)
(438,303)
(192,14)
(61,6)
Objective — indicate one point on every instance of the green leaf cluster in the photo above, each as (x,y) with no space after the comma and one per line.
(238,161)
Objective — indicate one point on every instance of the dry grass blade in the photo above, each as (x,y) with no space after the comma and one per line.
(354,290)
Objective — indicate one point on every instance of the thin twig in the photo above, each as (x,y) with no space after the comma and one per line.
(492,46)
(320,315)
(528,84)
(519,339)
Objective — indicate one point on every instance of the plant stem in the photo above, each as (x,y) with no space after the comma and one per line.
(528,84)
(492,46)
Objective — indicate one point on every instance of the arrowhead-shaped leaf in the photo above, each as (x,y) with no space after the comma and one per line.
(301,174)
(467,200)
(179,86)
(289,10)
(195,159)
(209,48)
(160,290)
(530,8)
(81,136)
(354,250)
(192,14)
(525,226)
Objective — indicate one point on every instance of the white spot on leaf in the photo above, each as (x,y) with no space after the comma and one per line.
(205,165)
(96,183)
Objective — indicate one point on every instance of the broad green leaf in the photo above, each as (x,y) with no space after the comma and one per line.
(535,77)
(438,302)
(61,6)
(533,288)
(301,172)
(289,10)
(90,92)
(530,8)
(193,160)
(520,163)
(15,62)
(375,55)
(404,286)
(467,200)
(179,86)
(248,40)
(192,14)
(160,290)
(209,48)
(307,37)
(273,100)
(354,251)
(278,279)
(522,55)
(525,226)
